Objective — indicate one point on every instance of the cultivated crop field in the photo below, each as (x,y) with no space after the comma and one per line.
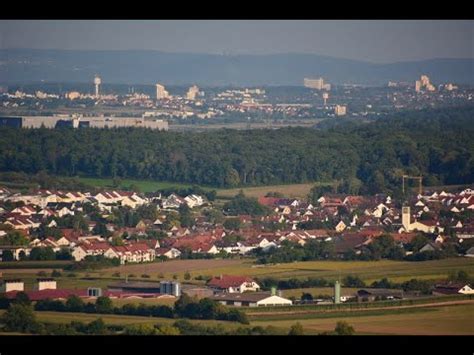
(443,320)
(369,271)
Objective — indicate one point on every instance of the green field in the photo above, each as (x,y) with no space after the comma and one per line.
(143,185)
(290,190)
(112,319)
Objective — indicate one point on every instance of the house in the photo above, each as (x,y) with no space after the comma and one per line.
(253,299)
(194,201)
(340,226)
(131,253)
(27,210)
(233,284)
(430,246)
(453,289)
(170,253)
(22,222)
(173,201)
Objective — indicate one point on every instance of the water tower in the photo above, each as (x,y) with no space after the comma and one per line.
(325,97)
(97,82)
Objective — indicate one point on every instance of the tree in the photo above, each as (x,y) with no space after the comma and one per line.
(241,204)
(167,330)
(232,224)
(7,255)
(140,329)
(306,297)
(22,298)
(74,304)
(19,318)
(187,276)
(39,253)
(14,237)
(343,328)
(104,304)
(96,327)
(63,254)
(185,216)
(296,329)
(353,281)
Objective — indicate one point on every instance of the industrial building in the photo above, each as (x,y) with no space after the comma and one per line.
(317,84)
(78,122)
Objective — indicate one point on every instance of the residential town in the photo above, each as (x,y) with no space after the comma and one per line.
(350,222)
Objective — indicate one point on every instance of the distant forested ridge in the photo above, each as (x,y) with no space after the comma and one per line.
(435,143)
(148,67)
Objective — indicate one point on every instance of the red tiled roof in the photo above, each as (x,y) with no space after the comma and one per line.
(227,281)
(65,293)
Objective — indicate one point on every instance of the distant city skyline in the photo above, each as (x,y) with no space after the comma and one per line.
(381,41)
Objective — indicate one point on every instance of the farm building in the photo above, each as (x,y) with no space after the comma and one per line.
(251,299)
(373,294)
(233,284)
(453,289)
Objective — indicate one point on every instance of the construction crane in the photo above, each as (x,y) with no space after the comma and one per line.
(419,178)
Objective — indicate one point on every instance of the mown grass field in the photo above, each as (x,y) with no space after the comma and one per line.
(291,191)
(444,320)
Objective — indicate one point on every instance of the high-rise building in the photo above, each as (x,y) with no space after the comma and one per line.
(192,92)
(340,110)
(424,82)
(417,86)
(317,84)
(161,93)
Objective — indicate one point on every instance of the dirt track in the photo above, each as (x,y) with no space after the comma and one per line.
(427,305)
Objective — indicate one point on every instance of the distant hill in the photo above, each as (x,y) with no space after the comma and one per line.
(149,67)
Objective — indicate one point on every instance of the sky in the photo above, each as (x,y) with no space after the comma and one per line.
(381,41)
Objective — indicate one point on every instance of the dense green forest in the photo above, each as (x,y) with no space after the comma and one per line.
(435,143)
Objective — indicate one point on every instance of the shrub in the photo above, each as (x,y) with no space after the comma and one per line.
(145,276)
(56,273)
(343,328)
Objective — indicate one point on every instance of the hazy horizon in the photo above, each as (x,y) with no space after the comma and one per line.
(374,41)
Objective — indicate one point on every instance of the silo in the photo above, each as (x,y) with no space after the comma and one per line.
(175,289)
(337,292)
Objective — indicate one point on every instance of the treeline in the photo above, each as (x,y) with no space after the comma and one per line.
(382,247)
(434,143)
(185,307)
(353,281)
